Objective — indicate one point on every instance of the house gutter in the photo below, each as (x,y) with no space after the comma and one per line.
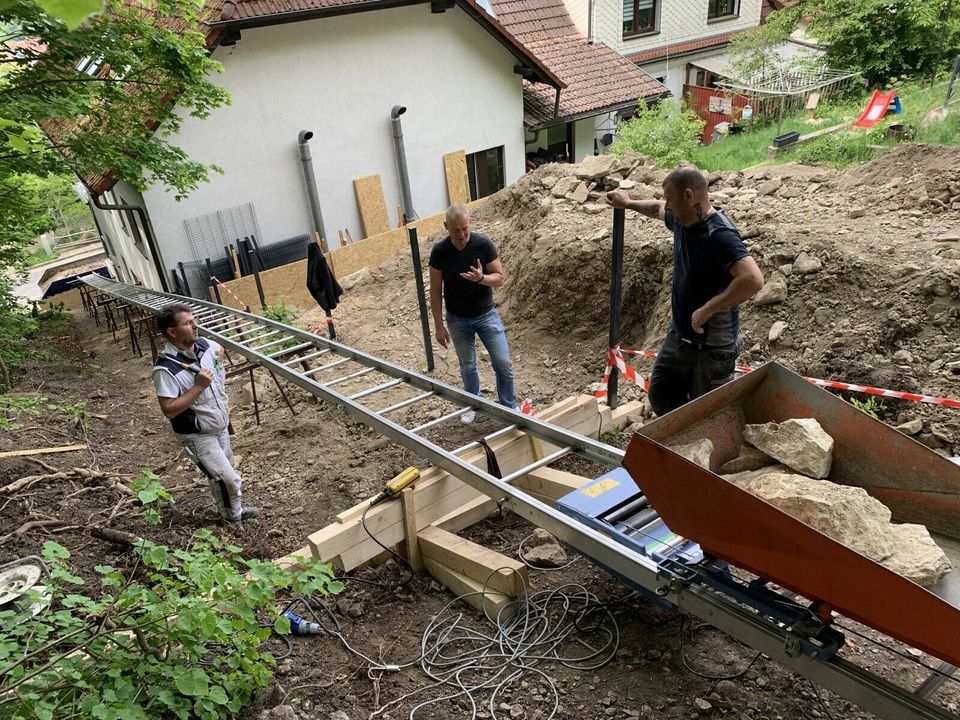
(408,212)
(310,180)
(147,230)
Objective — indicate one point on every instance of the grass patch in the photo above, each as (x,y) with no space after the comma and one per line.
(844,147)
(40,256)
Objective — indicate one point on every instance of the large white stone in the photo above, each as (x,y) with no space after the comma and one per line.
(917,557)
(749,459)
(698,452)
(594,167)
(853,518)
(799,443)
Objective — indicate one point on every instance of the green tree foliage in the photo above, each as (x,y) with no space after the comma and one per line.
(179,636)
(666,132)
(883,39)
(102,86)
(99,88)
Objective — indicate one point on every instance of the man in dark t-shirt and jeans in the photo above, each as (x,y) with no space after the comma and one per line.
(712,274)
(464,269)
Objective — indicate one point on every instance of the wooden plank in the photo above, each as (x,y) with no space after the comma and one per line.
(549,485)
(492,603)
(410,528)
(458,185)
(492,569)
(373,209)
(466,515)
(439,494)
(578,413)
(42,451)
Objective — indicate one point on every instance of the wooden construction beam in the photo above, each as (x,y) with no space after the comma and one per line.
(441,497)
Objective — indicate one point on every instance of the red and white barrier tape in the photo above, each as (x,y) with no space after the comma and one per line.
(243,305)
(834,384)
(627,372)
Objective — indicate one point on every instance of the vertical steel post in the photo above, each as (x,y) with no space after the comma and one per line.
(186,285)
(616,292)
(421,296)
(255,268)
(212,284)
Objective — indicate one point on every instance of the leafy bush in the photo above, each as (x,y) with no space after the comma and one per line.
(178,637)
(281,312)
(667,132)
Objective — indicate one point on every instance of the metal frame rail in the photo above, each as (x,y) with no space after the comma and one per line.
(860,686)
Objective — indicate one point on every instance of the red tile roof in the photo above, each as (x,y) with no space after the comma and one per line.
(683,48)
(598,79)
(253,13)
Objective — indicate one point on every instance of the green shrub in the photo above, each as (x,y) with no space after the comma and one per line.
(178,637)
(666,132)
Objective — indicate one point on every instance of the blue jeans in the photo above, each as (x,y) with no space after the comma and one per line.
(686,370)
(489,328)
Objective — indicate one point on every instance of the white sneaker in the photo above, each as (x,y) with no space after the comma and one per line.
(468,417)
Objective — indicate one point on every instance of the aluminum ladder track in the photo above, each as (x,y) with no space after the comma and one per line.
(269,344)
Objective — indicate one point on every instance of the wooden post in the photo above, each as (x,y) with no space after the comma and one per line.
(410,528)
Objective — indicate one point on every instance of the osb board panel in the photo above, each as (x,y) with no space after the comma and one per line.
(373,208)
(70,299)
(289,282)
(458,185)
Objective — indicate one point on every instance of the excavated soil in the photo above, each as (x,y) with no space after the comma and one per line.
(882,308)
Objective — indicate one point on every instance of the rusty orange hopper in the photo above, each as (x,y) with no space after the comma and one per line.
(917,484)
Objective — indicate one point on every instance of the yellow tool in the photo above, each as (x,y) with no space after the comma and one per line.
(393,487)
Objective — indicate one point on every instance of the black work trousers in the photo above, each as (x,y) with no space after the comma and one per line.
(686,370)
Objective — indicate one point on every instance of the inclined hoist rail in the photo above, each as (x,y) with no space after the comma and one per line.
(271,345)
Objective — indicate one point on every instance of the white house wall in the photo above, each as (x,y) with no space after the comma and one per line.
(579,12)
(131,265)
(680,21)
(339,78)
(674,71)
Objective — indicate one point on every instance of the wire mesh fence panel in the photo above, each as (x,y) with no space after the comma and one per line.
(284,252)
(208,234)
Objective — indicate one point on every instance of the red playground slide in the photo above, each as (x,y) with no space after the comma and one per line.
(877,108)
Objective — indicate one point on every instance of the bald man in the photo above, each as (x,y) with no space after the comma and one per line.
(464,269)
(713,273)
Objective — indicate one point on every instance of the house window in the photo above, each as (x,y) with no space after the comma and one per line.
(485,172)
(717,9)
(639,17)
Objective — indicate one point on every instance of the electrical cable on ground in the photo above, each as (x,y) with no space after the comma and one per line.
(705,676)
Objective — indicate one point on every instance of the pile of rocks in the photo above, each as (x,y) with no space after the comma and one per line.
(787,464)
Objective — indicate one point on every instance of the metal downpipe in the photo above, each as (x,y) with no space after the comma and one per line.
(310,180)
(408,212)
(147,230)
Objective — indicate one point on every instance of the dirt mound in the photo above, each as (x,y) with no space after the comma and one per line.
(869,289)
(922,177)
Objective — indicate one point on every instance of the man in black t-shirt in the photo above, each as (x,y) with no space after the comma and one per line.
(464,269)
(712,274)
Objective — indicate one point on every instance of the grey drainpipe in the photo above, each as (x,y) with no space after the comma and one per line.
(408,212)
(310,180)
(148,231)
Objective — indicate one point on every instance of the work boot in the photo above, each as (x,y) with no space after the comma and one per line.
(247,513)
(468,417)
